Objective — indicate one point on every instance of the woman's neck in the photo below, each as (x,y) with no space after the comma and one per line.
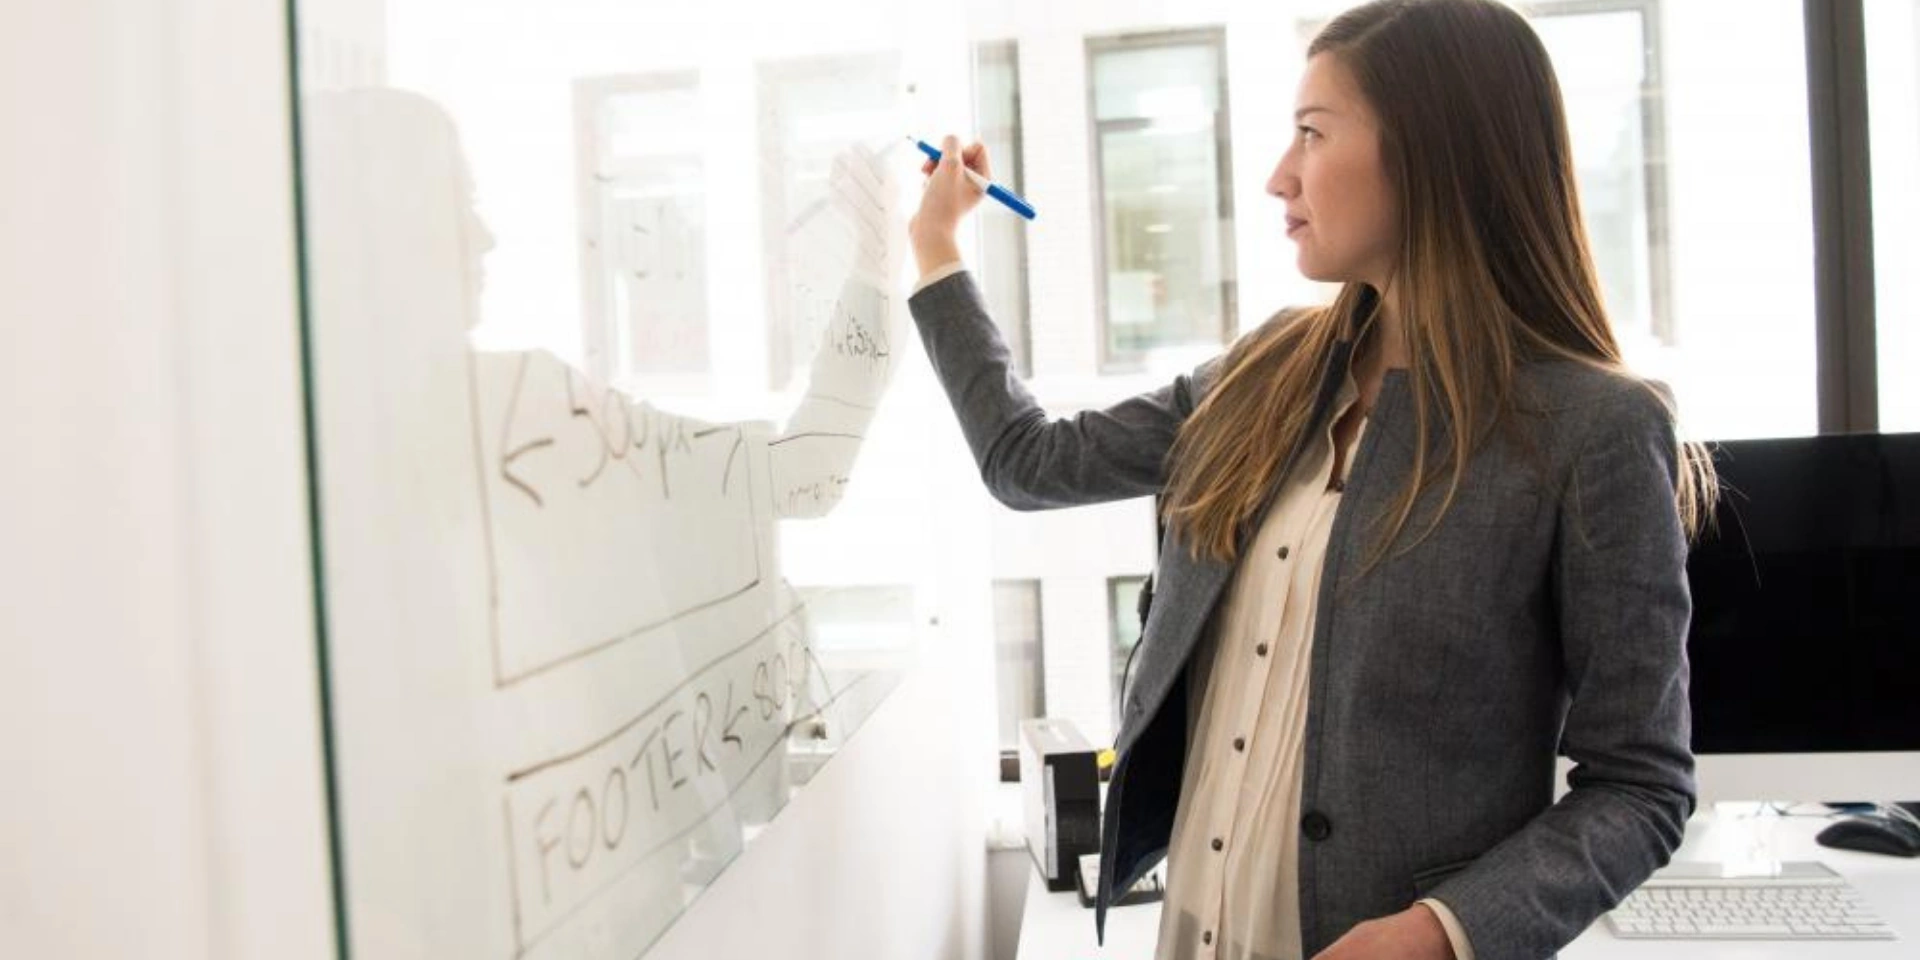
(1385,347)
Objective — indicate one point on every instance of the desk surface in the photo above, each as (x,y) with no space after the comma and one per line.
(1056,927)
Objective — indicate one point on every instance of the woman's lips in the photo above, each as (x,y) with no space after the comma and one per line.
(1293,224)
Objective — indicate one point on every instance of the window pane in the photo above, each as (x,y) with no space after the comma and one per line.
(1021,674)
(1123,618)
(1711,154)
(1603,61)
(1175,79)
(1159,106)
(1003,239)
(1893,98)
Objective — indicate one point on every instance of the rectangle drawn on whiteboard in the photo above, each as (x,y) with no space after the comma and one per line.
(599,837)
(606,519)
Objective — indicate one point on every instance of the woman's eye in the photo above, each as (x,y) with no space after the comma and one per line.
(1308,133)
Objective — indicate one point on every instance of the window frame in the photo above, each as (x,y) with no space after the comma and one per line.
(1215,36)
(1018,329)
(1662,324)
(1846,326)
(1010,758)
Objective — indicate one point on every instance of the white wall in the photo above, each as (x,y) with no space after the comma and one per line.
(157,686)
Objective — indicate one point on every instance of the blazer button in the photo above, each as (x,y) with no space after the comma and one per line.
(1316,826)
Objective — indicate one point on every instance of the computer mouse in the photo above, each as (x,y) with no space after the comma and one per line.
(1872,833)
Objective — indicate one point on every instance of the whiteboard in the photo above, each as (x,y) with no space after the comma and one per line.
(571,669)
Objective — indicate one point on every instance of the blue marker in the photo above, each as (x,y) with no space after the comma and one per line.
(994,190)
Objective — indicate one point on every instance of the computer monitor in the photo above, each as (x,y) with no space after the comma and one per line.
(1805,640)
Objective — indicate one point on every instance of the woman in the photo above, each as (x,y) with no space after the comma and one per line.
(1420,539)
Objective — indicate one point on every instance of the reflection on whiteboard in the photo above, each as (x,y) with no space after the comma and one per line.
(568,680)
(810,110)
(582,488)
(643,226)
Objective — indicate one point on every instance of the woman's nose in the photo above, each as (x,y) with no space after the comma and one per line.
(1279,183)
(1282,183)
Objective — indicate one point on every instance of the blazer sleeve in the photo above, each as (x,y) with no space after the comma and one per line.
(1029,461)
(1620,587)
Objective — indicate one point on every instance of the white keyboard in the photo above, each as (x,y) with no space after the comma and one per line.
(1803,908)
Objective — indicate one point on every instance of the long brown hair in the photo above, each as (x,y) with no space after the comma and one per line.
(1493,270)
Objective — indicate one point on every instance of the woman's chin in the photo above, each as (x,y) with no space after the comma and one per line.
(1320,272)
(1314,271)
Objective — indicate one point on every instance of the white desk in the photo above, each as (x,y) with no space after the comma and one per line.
(1056,927)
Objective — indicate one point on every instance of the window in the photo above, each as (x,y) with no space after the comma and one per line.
(1162,180)
(1893,102)
(643,208)
(1020,670)
(1734,153)
(1692,156)
(1718,260)
(1003,241)
(1123,620)
(1606,55)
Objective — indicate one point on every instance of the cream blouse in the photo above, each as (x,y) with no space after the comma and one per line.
(1233,863)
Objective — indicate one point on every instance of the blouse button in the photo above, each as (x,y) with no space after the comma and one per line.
(1283,553)
(1261,649)
(1218,845)
(1207,937)
(1316,826)
(1240,743)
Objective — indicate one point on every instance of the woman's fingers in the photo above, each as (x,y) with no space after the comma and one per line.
(948,194)
(950,156)
(973,157)
(976,160)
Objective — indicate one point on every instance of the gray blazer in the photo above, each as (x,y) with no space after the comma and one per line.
(1545,614)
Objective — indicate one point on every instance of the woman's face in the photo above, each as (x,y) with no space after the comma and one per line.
(1340,209)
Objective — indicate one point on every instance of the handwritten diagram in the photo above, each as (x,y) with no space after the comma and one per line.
(584,823)
(611,521)
(606,518)
(569,675)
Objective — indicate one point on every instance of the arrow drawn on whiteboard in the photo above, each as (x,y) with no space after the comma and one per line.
(506,467)
(506,431)
(576,409)
(733,717)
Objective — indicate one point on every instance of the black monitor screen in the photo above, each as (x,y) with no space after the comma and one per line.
(1806,599)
